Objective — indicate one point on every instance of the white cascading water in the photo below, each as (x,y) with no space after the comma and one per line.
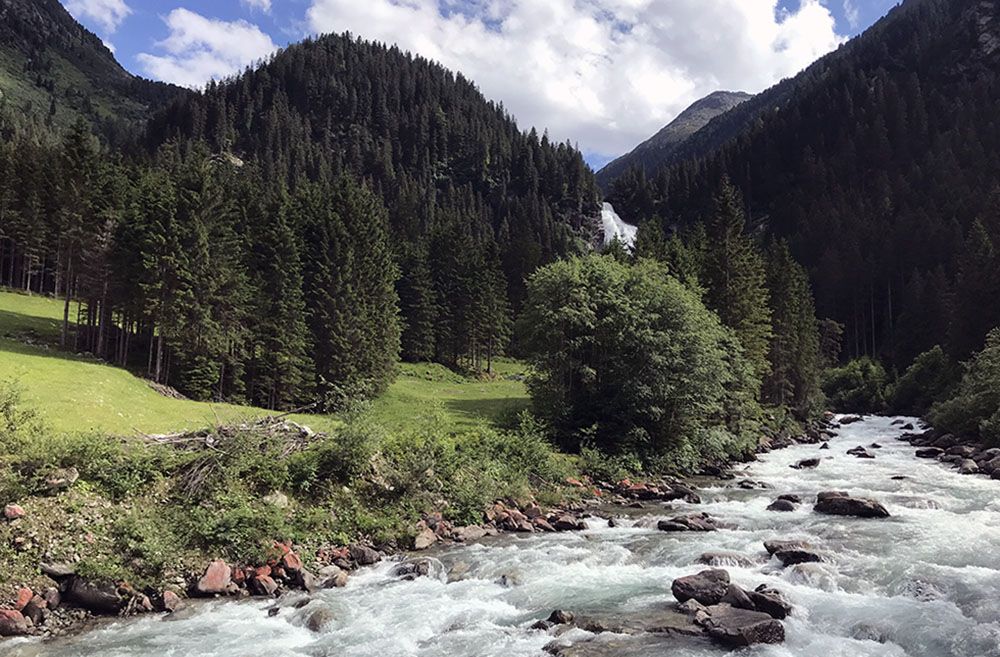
(616,228)
(923,583)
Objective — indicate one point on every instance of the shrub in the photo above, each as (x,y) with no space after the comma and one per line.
(628,360)
(931,378)
(975,407)
(858,387)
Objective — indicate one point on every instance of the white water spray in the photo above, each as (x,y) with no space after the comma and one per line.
(616,228)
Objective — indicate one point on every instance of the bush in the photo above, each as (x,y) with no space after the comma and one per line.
(858,387)
(974,410)
(629,361)
(931,378)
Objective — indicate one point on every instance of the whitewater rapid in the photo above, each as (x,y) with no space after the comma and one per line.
(616,228)
(923,583)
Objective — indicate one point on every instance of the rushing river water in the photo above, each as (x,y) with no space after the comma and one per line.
(923,583)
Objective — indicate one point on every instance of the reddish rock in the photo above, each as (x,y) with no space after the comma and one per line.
(263,571)
(171,601)
(216,579)
(12,623)
(543,524)
(263,586)
(291,562)
(24,596)
(13,512)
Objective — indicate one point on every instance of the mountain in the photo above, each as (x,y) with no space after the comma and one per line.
(53,70)
(658,149)
(880,164)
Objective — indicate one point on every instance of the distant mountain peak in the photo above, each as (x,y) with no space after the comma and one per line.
(655,150)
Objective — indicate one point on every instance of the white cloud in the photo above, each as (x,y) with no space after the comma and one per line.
(262,5)
(199,49)
(852,13)
(606,74)
(109,14)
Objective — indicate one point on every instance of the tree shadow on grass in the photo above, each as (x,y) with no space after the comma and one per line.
(502,411)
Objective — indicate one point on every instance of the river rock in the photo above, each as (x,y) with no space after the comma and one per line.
(825,446)
(333,577)
(171,601)
(827,494)
(58,571)
(968,466)
(707,587)
(412,569)
(424,539)
(364,555)
(946,441)
(965,451)
(850,419)
(737,597)
(794,499)
(750,484)
(13,512)
(774,546)
(770,601)
(12,623)
(724,559)
(806,464)
(567,523)
(35,610)
(851,506)
(792,556)
(781,505)
(319,619)
(95,597)
(466,534)
(742,627)
(696,522)
(263,586)
(860,452)
(216,579)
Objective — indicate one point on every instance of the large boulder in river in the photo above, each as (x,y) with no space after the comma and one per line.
(968,466)
(741,627)
(929,453)
(806,464)
(775,546)
(769,601)
(851,506)
(792,556)
(695,522)
(724,559)
(708,587)
(781,505)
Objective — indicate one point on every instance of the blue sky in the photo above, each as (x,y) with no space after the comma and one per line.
(603,74)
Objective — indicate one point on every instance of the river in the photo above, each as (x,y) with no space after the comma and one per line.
(923,583)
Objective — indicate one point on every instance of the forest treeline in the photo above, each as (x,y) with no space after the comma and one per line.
(879,165)
(290,233)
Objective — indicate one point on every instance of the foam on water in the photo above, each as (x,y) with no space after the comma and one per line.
(923,583)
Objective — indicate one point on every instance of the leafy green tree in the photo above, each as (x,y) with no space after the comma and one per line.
(932,378)
(974,410)
(629,359)
(857,387)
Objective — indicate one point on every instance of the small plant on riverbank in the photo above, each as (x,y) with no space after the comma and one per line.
(974,410)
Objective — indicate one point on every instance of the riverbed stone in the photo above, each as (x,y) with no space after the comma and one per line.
(827,494)
(364,555)
(724,559)
(319,619)
(967,467)
(781,505)
(738,628)
(216,579)
(424,539)
(806,464)
(12,623)
(707,587)
(778,545)
(851,506)
(412,569)
(695,522)
(770,601)
(792,556)
(95,597)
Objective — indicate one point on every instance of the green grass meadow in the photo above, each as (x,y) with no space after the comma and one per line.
(76,393)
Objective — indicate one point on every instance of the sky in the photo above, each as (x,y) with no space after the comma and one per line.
(602,74)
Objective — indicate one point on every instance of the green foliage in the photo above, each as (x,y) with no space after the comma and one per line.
(734,275)
(932,378)
(628,360)
(857,387)
(974,410)
(794,357)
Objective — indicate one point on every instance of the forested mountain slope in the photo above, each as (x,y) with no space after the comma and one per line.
(880,163)
(53,72)
(660,148)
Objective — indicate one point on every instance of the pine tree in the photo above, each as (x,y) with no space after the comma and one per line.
(418,305)
(733,273)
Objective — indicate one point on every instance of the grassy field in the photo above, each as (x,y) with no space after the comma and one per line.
(79,393)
